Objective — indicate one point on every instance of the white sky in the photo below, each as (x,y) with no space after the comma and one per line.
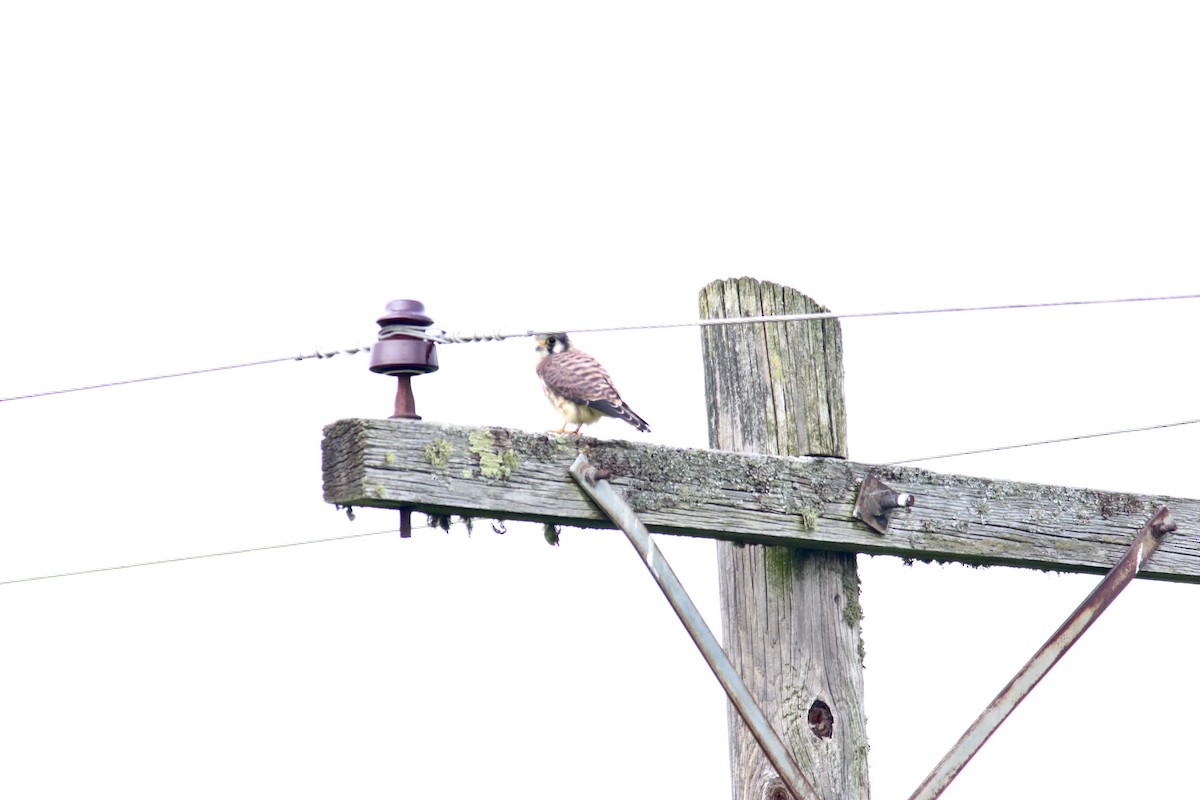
(194,185)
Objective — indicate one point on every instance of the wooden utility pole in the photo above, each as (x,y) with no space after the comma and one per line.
(785,509)
(790,616)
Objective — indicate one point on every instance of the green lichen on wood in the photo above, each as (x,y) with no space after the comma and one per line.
(542,448)
(438,453)
(807,518)
(853,612)
(779,567)
(494,463)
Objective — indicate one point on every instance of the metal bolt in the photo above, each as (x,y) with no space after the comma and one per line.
(877,500)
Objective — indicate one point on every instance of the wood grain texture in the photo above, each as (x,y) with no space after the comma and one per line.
(790,616)
(499,473)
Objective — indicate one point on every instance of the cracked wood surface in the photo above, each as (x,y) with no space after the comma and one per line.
(499,473)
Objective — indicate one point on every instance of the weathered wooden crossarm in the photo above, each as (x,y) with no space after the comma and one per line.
(500,473)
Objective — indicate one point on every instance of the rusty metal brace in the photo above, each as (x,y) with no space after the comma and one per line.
(1120,576)
(594,482)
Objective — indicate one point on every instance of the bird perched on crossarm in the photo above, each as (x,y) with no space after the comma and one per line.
(578,386)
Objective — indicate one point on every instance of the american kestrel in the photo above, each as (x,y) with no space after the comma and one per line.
(578,386)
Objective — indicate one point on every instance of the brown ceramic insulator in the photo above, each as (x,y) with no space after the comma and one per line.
(403,355)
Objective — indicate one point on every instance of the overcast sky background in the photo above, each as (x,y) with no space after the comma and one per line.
(195,185)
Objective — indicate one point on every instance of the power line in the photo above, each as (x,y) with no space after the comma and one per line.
(1060,440)
(445,337)
(108,384)
(195,558)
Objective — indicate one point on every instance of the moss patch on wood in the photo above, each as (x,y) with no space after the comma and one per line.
(494,463)
(438,453)
(779,567)
(853,613)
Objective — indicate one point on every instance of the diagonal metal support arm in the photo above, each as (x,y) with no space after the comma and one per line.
(594,483)
(1120,576)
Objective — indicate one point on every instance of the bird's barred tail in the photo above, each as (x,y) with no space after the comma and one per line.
(626,413)
(621,411)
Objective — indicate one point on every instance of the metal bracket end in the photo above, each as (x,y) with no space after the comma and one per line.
(876,501)
(584,471)
(1162,523)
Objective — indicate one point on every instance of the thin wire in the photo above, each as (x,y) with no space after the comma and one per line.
(194,558)
(325,354)
(446,337)
(1060,440)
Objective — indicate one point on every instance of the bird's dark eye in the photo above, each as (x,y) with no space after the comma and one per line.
(550,342)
